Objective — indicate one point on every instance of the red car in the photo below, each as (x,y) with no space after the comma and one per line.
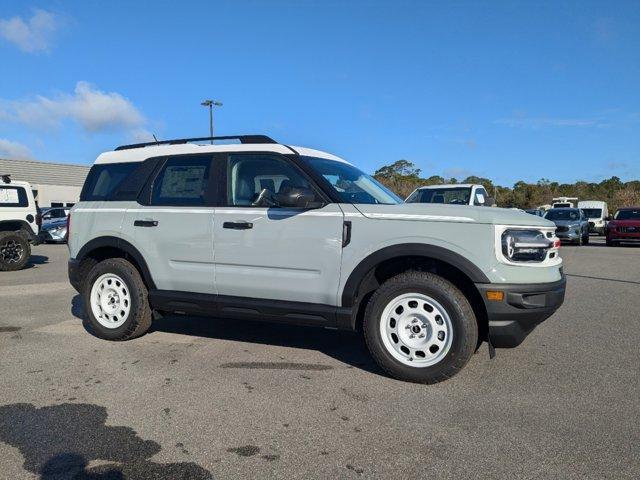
(625,226)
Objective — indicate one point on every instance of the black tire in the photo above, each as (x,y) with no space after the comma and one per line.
(585,241)
(15,251)
(463,320)
(139,318)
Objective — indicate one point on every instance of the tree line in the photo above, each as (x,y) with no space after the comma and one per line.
(403,177)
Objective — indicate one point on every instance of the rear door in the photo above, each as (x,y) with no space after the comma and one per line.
(174,232)
(290,254)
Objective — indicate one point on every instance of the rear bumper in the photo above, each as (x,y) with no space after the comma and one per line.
(523,308)
(73,268)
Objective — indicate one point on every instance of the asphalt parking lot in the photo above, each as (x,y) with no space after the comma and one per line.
(199,398)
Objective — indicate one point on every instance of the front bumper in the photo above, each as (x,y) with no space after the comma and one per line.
(570,236)
(523,308)
(615,236)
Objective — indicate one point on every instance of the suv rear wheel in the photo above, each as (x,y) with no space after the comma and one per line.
(116,300)
(419,327)
(14,251)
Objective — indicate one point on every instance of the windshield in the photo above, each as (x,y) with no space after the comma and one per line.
(351,184)
(593,212)
(563,214)
(453,195)
(630,214)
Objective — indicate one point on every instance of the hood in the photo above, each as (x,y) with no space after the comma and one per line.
(634,222)
(452,213)
(56,222)
(566,223)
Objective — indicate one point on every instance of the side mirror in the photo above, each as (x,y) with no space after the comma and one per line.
(298,197)
(489,201)
(266,198)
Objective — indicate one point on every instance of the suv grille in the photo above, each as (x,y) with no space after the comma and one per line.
(629,229)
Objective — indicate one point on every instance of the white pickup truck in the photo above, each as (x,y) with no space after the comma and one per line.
(453,194)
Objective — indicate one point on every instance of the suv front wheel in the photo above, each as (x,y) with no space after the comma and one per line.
(14,251)
(116,300)
(420,328)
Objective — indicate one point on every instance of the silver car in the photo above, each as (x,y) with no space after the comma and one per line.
(572,223)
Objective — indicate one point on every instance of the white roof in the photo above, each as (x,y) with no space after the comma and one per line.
(449,185)
(142,153)
(591,204)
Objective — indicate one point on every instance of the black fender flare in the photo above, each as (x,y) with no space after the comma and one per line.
(120,244)
(350,291)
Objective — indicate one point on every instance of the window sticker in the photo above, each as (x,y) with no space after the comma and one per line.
(9,195)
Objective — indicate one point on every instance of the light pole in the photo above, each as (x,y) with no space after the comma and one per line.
(211,104)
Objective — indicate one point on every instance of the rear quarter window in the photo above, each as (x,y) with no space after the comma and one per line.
(13,197)
(117,181)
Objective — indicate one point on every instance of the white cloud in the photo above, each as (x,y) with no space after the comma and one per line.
(14,150)
(93,109)
(32,35)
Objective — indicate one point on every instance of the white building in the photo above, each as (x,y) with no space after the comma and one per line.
(53,184)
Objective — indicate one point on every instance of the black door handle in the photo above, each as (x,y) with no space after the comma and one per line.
(145,223)
(238,225)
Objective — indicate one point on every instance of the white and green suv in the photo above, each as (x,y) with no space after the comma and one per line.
(257,230)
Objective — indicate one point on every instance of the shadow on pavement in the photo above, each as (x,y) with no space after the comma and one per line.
(346,347)
(59,441)
(38,259)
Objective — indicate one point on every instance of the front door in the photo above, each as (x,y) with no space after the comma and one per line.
(175,232)
(290,254)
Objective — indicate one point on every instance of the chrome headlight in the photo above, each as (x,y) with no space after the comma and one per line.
(525,245)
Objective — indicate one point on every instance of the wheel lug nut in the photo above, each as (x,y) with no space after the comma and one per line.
(421,335)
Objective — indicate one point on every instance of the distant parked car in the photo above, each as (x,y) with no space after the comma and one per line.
(572,224)
(54,231)
(535,211)
(624,227)
(596,212)
(452,194)
(54,214)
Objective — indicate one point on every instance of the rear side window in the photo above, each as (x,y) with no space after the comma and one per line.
(103,180)
(13,197)
(183,181)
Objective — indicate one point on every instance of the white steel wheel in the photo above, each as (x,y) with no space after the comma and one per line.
(110,301)
(416,330)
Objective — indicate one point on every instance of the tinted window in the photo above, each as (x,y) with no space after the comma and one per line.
(351,184)
(592,212)
(183,181)
(629,214)
(104,179)
(453,195)
(13,197)
(563,214)
(250,174)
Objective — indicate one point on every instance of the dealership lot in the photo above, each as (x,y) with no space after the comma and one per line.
(199,398)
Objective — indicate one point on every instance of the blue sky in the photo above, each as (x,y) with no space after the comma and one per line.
(508,90)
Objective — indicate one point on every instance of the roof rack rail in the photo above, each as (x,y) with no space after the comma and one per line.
(179,141)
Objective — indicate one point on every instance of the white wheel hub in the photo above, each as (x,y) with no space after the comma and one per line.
(416,330)
(110,300)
